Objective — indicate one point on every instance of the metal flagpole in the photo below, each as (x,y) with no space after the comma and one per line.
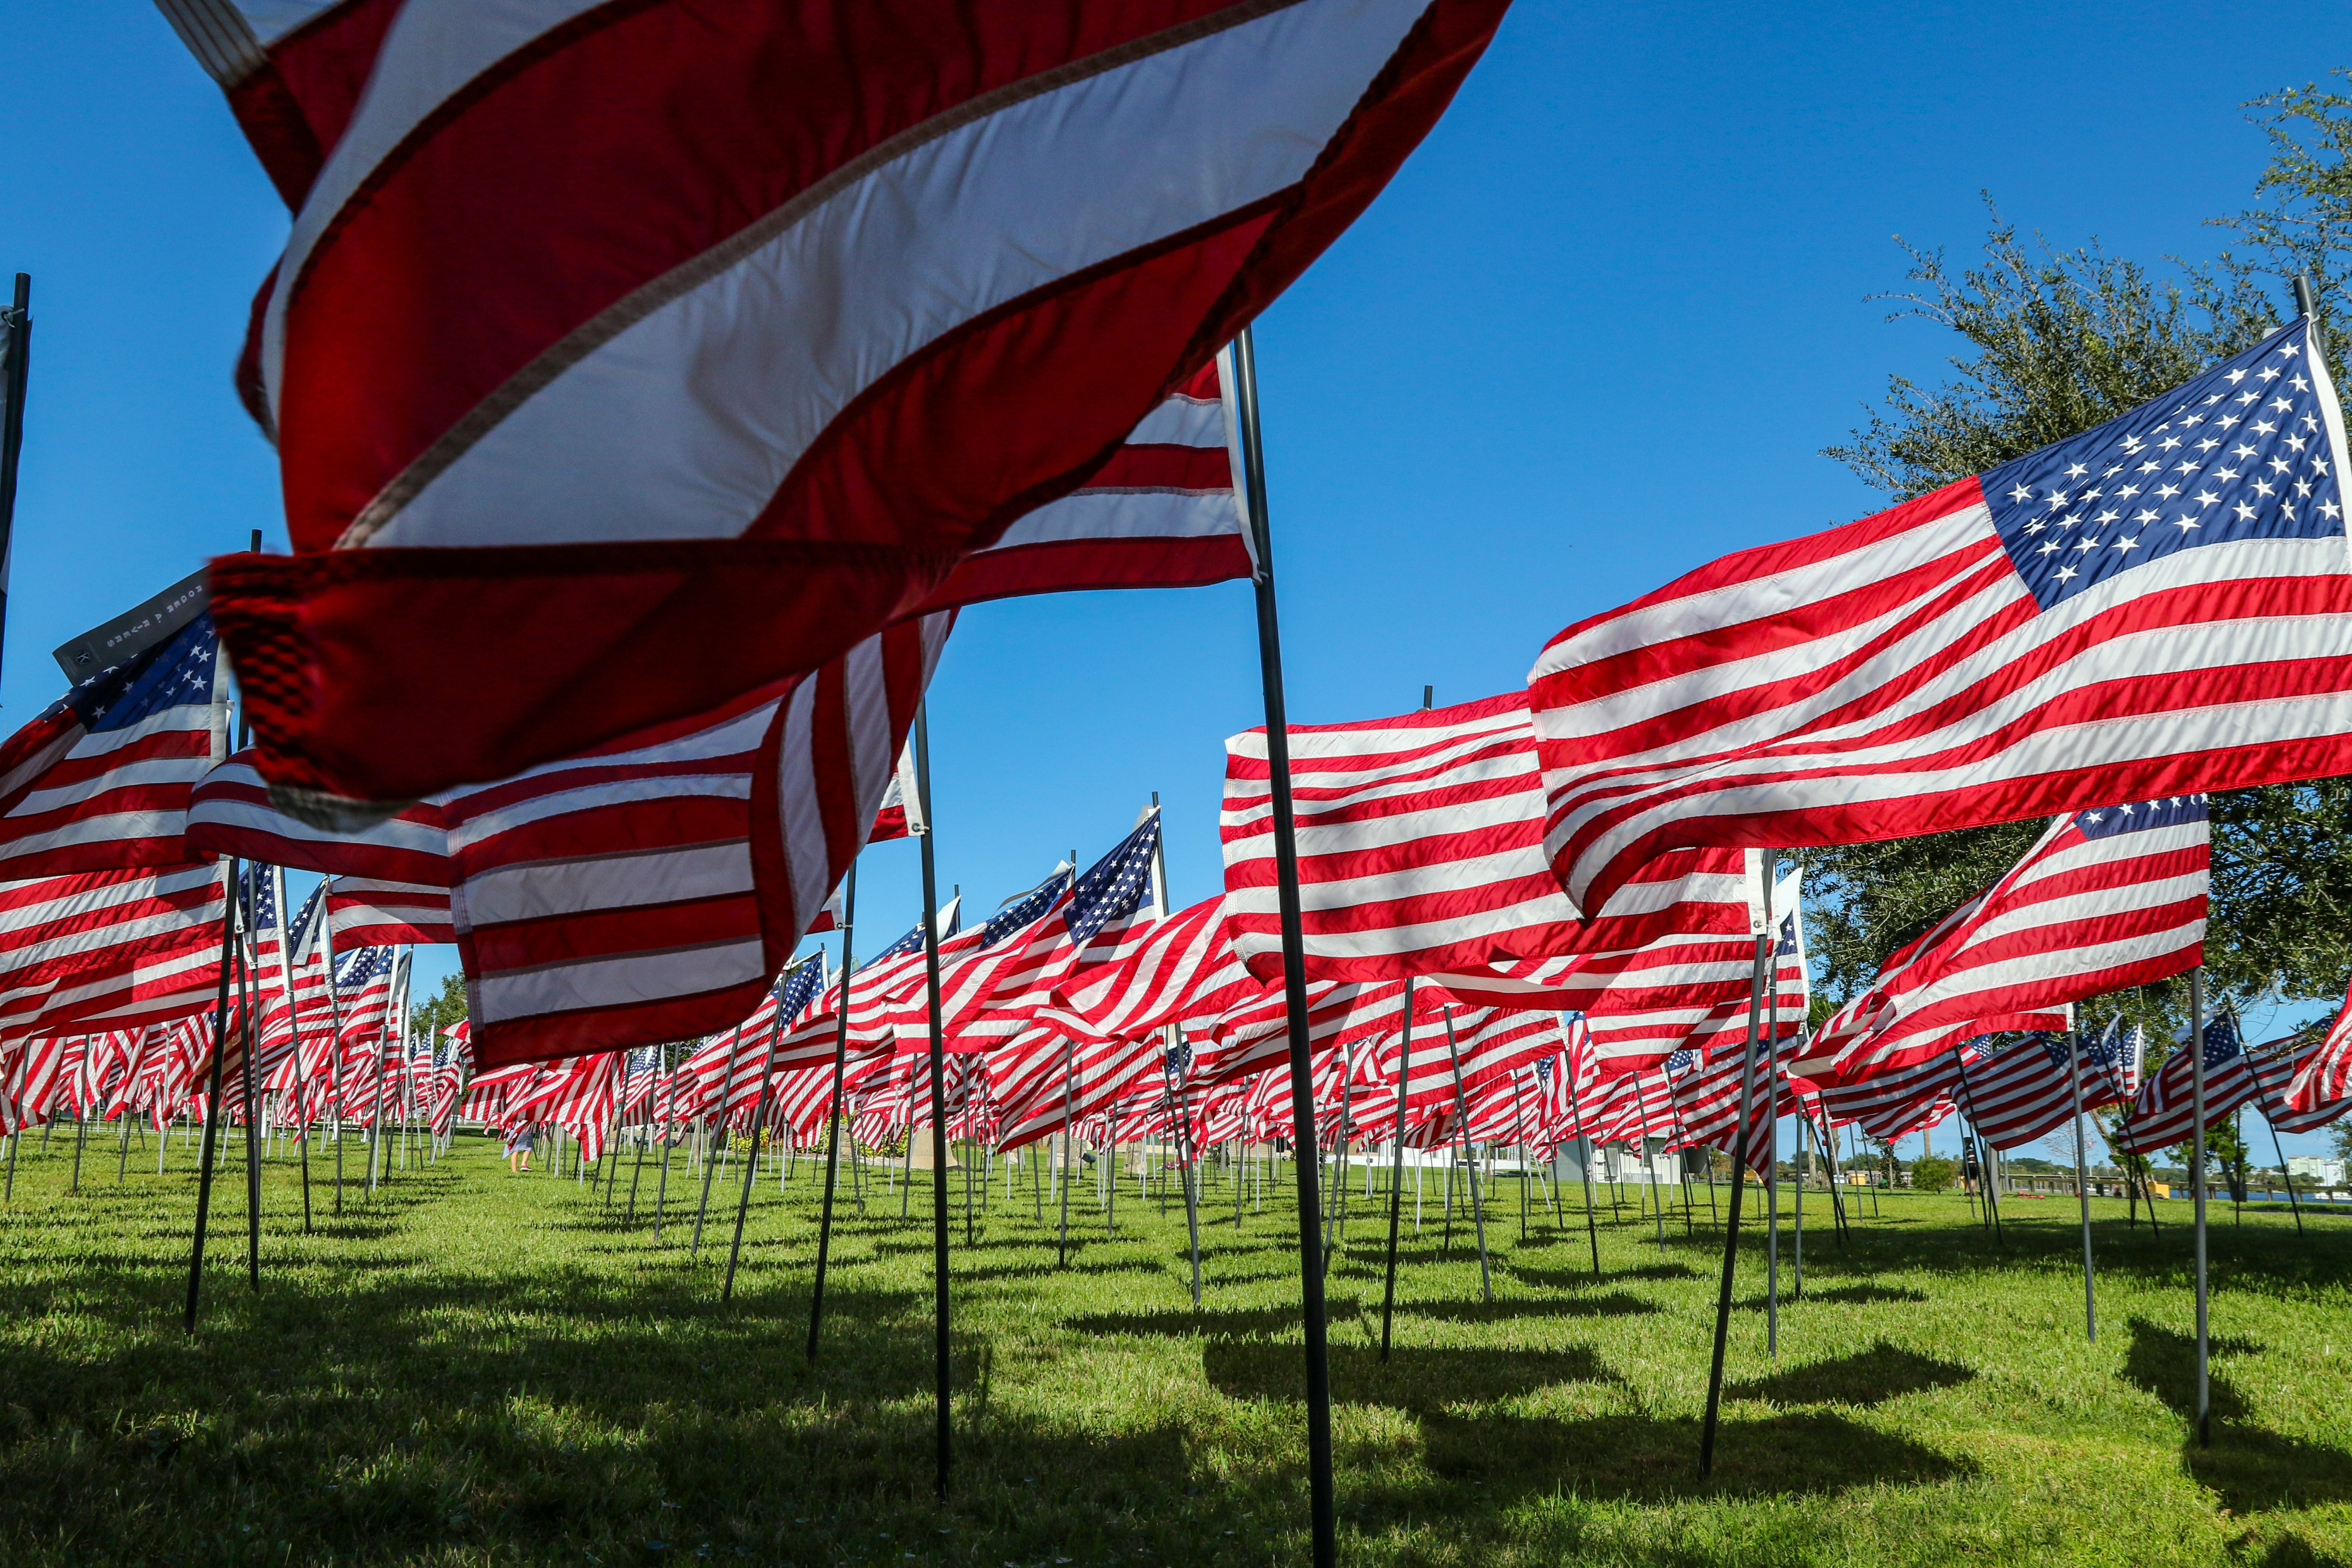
(2197,1190)
(1185,1153)
(939,1322)
(1984,1154)
(2081,1182)
(1061,1176)
(294,1022)
(661,1189)
(250,983)
(759,1124)
(1462,1111)
(1294,956)
(16,358)
(1772,1164)
(709,1165)
(1396,1166)
(629,1217)
(832,1108)
(2263,1105)
(1738,1181)
(335,1037)
(212,1101)
(1584,1158)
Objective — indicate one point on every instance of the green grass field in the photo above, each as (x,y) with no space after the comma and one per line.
(477,1368)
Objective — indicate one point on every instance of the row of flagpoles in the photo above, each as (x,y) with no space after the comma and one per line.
(919,366)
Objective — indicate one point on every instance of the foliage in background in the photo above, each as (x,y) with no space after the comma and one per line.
(429,1017)
(1932,1173)
(2055,342)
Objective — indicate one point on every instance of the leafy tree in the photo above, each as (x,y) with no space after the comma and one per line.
(447,1006)
(2306,226)
(2053,341)
(2225,1152)
(1933,1174)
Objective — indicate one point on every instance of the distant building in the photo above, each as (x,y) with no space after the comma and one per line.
(2318,1172)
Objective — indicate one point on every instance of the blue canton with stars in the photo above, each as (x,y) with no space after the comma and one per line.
(800,985)
(2222,1041)
(175,673)
(2137,816)
(2241,452)
(369,963)
(1025,909)
(1115,886)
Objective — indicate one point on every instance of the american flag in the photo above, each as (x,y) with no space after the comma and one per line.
(2163,1113)
(974,965)
(448,1079)
(1891,1094)
(100,780)
(580,1095)
(1041,1083)
(880,989)
(761,1058)
(103,950)
(2107,898)
(639,893)
(2152,608)
(2280,1069)
(1162,513)
(875,327)
(1679,992)
(1493,1043)
(370,911)
(1185,971)
(1102,921)
(2027,1092)
(1706,1100)
(2325,1075)
(232,812)
(1421,852)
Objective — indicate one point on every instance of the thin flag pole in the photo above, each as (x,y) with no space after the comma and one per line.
(294,1020)
(1984,1152)
(1650,1160)
(250,983)
(709,1165)
(942,1343)
(759,1123)
(1469,1158)
(212,1100)
(1185,1153)
(833,1108)
(629,1216)
(335,1037)
(1739,1182)
(1396,1168)
(2082,1183)
(661,1188)
(1062,1177)
(1584,1158)
(1321,1492)
(1772,1164)
(2197,1190)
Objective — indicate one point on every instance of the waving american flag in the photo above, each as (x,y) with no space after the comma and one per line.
(2153,607)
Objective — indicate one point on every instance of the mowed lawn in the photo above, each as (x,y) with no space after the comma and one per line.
(476,1368)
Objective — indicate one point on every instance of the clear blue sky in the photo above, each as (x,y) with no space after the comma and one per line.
(1595,333)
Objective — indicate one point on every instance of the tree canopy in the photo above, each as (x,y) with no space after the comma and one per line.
(2052,341)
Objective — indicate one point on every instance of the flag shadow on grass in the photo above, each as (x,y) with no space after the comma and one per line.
(1213,1322)
(1504,1454)
(1874,1376)
(1575,1279)
(2251,1467)
(1506,1308)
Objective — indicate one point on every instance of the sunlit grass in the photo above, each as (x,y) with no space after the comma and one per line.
(475,1368)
